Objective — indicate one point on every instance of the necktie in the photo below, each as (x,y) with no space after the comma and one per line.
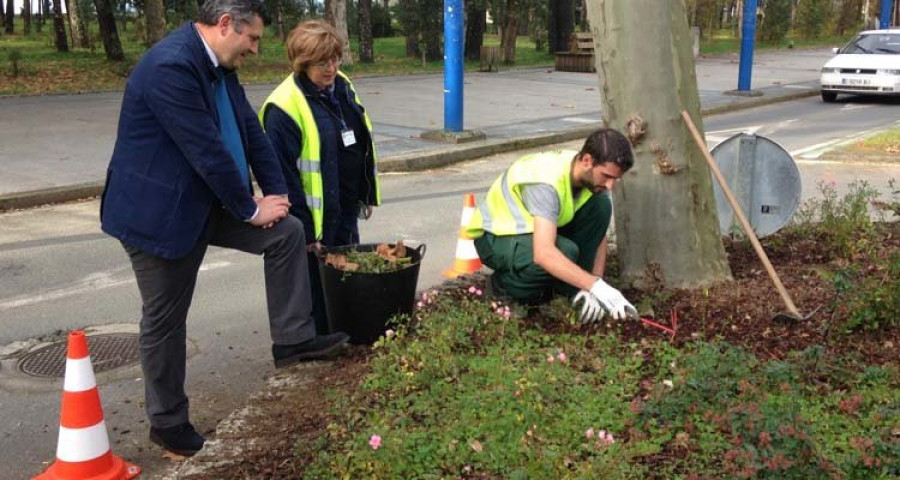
(228,127)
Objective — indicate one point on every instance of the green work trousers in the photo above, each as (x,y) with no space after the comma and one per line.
(512,256)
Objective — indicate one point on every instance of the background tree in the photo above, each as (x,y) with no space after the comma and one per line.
(108,30)
(336,14)
(423,26)
(59,27)
(811,17)
(9,26)
(26,17)
(76,24)
(560,25)
(509,32)
(538,11)
(2,14)
(777,21)
(848,17)
(155,17)
(366,42)
(667,229)
(476,23)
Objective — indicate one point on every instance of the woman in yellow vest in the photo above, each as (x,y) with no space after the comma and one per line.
(323,137)
(542,227)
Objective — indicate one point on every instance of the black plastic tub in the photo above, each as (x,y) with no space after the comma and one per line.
(360,304)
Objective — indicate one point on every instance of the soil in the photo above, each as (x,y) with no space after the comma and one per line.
(259,441)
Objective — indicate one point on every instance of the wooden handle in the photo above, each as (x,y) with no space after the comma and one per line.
(748,230)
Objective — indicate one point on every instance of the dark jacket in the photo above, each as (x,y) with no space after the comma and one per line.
(170,167)
(348,178)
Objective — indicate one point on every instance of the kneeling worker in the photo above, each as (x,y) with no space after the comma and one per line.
(542,227)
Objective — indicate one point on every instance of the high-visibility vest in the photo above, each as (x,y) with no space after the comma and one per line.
(504,213)
(289,98)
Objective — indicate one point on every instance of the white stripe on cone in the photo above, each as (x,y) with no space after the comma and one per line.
(79,375)
(82,444)
(466,216)
(465,250)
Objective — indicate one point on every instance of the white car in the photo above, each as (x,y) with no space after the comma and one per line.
(868,65)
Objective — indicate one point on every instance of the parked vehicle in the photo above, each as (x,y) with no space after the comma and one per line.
(868,65)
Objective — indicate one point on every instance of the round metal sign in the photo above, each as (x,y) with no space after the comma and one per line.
(764,179)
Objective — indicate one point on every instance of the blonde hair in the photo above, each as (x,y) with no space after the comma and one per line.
(311,42)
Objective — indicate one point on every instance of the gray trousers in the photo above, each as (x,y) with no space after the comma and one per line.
(167,286)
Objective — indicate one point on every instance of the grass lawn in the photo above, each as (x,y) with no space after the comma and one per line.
(41,70)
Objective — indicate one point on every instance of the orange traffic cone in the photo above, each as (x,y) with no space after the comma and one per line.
(82,451)
(467,260)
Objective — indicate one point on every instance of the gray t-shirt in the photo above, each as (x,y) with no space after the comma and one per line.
(542,201)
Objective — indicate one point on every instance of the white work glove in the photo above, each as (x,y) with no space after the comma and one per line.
(612,301)
(591,310)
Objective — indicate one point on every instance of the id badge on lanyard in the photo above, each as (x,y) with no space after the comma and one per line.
(348,137)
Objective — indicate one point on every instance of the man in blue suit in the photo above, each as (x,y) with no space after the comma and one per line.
(178,181)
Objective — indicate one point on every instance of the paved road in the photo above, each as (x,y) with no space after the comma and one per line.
(61,141)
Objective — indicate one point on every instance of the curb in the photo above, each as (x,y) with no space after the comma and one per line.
(409,162)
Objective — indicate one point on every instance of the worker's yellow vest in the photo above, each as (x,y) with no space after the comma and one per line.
(504,213)
(289,98)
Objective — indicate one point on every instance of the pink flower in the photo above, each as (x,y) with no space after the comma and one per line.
(472,289)
(589,433)
(375,442)
(478,292)
(561,357)
(549,358)
(420,305)
(389,333)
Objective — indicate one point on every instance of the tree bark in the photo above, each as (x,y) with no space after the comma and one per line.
(476,23)
(336,14)
(366,42)
(10,15)
(155,13)
(76,25)
(667,228)
(279,20)
(108,31)
(510,32)
(59,26)
(561,24)
(26,17)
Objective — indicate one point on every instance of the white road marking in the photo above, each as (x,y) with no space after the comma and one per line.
(580,120)
(91,283)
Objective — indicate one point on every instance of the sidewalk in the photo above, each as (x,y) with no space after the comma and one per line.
(56,148)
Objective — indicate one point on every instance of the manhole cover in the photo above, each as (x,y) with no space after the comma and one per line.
(108,351)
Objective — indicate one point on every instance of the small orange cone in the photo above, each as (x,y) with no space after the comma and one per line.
(82,451)
(467,260)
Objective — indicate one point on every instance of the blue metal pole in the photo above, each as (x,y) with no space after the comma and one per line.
(453,66)
(748,40)
(885,18)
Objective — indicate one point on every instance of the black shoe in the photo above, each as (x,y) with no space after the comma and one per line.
(181,439)
(322,346)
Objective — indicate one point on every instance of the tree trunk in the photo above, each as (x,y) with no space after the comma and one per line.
(510,32)
(476,23)
(155,13)
(10,15)
(561,24)
(667,228)
(366,42)
(26,17)
(108,31)
(59,26)
(76,25)
(188,10)
(336,14)
(279,21)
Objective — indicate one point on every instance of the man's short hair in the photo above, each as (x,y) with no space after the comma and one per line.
(240,10)
(607,145)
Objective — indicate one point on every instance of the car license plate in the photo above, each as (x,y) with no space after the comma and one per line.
(855,81)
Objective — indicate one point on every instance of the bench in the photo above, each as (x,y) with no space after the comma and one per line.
(580,56)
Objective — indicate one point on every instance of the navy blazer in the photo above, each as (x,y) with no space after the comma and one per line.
(170,167)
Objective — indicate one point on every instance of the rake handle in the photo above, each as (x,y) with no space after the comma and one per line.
(748,230)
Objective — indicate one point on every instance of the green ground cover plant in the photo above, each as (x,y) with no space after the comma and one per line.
(463,389)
